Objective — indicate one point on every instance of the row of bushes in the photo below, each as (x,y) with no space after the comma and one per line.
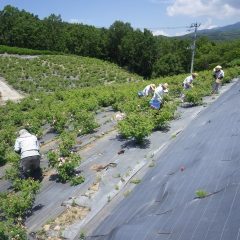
(25,51)
(15,206)
(73,110)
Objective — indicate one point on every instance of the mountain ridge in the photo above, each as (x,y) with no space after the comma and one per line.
(228,32)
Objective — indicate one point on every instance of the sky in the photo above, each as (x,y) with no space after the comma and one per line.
(162,17)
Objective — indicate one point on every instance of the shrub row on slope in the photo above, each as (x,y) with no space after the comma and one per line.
(57,72)
(24,51)
(73,110)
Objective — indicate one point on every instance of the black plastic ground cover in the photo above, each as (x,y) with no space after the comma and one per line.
(206,155)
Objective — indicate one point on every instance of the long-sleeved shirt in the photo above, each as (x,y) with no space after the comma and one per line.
(147,90)
(187,81)
(218,74)
(158,93)
(28,145)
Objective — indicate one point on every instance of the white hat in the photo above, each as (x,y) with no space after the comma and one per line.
(194,74)
(153,86)
(218,67)
(23,132)
(165,87)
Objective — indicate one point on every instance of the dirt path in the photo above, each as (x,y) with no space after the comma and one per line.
(8,93)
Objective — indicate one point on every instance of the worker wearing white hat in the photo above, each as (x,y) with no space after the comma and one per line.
(188,81)
(218,75)
(188,84)
(157,98)
(148,90)
(28,146)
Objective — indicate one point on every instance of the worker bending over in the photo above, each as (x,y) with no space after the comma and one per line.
(157,98)
(188,81)
(28,146)
(188,84)
(148,90)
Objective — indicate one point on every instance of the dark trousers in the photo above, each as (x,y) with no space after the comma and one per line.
(30,167)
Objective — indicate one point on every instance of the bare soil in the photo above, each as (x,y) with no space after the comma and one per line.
(8,93)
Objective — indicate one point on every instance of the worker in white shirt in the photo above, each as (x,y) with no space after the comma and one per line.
(157,98)
(148,90)
(188,83)
(218,75)
(28,146)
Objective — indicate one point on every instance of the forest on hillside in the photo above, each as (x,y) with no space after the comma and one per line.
(133,49)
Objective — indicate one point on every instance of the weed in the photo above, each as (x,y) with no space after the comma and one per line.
(201,193)
(174,135)
(135,181)
(122,179)
(152,164)
(82,236)
(74,204)
(118,175)
(126,194)
(77,180)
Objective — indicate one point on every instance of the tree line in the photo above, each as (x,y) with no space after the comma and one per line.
(136,50)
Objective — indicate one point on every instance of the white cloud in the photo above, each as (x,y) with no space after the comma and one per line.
(207,25)
(159,32)
(212,8)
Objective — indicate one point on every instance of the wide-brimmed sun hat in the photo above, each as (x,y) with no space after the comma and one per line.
(194,74)
(165,87)
(23,132)
(218,67)
(153,86)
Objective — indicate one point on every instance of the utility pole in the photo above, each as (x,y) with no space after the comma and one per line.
(193,47)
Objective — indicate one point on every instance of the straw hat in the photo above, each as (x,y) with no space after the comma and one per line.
(165,87)
(218,67)
(194,74)
(153,86)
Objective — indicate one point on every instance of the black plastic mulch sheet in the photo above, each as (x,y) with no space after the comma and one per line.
(206,156)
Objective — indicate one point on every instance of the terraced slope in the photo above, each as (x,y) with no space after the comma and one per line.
(58,72)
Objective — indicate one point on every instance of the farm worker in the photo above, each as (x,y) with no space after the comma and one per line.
(149,89)
(157,98)
(28,146)
(188,83)
(218,75)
